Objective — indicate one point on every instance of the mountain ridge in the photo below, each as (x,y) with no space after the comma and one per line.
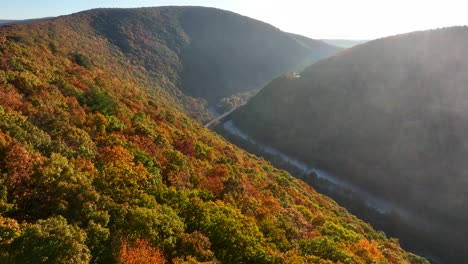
(236,63)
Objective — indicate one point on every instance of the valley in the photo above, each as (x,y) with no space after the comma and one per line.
(185,134)
(105,159)
(392,218)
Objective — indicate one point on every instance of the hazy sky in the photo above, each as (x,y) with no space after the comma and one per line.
(351,19)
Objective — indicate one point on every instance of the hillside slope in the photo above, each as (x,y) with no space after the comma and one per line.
(98,166)
(389,114)
(211,53)
(189,59)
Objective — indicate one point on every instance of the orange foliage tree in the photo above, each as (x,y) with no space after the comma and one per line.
(19,164)
(140,253)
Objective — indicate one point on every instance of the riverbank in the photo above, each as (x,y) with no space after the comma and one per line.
(419,234)
(372,201)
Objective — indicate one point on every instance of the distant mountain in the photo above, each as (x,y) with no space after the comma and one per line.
(99,162)
(390,115)
(24,21)
(3,21)
(344,43)
(199,58)
(214,53)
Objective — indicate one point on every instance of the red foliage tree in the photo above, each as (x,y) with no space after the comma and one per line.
(146,144)
(213,184)
(185,146)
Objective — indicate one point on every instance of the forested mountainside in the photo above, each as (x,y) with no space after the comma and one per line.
(191,54)
(390,115)
(97,165)
(210,53)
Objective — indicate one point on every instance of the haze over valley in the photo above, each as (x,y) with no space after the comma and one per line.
(384,115)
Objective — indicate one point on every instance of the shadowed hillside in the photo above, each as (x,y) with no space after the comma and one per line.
(210,53)
(99,164)
(229,53)
(390,115)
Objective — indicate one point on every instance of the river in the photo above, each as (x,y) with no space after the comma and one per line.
(339,187)
(372,201)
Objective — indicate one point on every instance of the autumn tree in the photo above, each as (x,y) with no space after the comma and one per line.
(50,241)
(185,146)
(140,252)
(18,164)
(121,178)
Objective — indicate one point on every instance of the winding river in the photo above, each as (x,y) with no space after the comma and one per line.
(341,187)
(372,201)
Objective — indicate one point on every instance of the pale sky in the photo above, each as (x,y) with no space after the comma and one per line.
(345,19)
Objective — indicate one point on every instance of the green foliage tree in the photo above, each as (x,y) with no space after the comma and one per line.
(22,130)
(235,238)
(115,124)
(338,233)
(50,241)
(160,226)
(81,60)
(100,101)
(324,248)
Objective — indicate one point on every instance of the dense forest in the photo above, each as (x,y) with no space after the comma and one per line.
(389,115)
(209,53)
(101,163)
